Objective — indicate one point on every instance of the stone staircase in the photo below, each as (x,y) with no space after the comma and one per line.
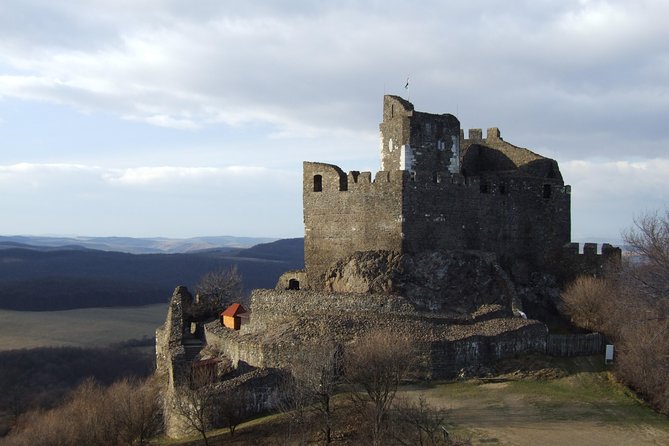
(192,347)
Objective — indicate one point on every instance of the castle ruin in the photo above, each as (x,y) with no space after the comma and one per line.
(446,244)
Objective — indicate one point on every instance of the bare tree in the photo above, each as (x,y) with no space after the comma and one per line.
(196,404)
(216,290)
(649,240)
(126,413)
(417,423)
(294,402)
(90,418)
(83,419)
(643,361)
(376,364)
(317,372)
(137,414)
(232,409)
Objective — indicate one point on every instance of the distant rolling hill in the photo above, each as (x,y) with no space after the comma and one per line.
(50,278)
(156,245)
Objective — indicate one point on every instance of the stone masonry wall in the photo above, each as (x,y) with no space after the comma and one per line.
(417,141)
(269,305)
(283,322)
(172,365)
(447,357)
(522,219)
(571,264)
(348,213)
(438,190)
(492,153)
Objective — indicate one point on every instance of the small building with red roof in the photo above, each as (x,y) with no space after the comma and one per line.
(232,316)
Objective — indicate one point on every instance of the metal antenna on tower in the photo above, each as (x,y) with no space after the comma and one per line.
(406,87)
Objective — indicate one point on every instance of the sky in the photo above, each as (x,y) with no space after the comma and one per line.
(171,118)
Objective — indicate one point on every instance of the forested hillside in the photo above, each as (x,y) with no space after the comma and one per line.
(37,279)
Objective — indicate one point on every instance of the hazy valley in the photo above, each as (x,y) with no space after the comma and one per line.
(54,274)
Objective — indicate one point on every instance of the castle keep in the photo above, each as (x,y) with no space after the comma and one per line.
(438,190)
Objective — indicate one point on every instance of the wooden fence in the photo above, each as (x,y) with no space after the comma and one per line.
(574,344)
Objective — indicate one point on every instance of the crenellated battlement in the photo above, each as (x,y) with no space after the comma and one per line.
(591,250)
(588,259)
(322,178)
(476,135)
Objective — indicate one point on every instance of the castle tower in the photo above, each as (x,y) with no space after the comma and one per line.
(437,190)
(417,141)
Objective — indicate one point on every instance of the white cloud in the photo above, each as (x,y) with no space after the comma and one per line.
(608,194)
(314,70)
(50,167)
(166,121)
(150,200)
(172,174)
(618,178)
(136,176)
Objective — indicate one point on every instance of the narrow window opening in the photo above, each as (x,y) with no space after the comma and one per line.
(413,175)
(547,190)
(502,189)
(293,284)
(318,183)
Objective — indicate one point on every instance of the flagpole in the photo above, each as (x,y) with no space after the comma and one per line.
(406,87)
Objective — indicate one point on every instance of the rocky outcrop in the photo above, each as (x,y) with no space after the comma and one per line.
(438,281)
(540,298)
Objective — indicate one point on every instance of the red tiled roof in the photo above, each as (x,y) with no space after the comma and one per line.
(234,310)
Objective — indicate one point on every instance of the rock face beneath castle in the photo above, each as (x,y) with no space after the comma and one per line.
(437,281)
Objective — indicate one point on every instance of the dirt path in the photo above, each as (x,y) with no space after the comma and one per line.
(571,411)
(572,433)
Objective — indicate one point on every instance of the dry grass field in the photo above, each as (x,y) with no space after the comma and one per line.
(577,410)
(89,327)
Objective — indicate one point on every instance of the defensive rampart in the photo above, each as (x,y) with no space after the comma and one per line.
(522,219)
(283,322)
(572,263)
(449,357)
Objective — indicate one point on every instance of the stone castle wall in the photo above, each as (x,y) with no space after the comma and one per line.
(571,263)
(276,310)
(283,322)
(448,357)
(172,364)
(348,213)
(270,304)
(521,219)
